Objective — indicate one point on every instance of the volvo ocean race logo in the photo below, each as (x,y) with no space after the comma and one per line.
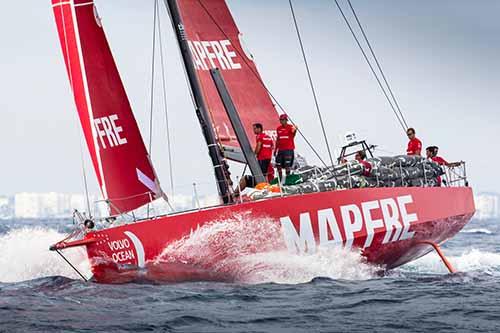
(356,220)
(122,250)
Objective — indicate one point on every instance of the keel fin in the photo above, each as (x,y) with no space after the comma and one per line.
(441,255)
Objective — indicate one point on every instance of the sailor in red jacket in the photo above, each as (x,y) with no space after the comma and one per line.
(432,154)
(285,146)
(414,145)
(264,153)
(361,158)
(263,148)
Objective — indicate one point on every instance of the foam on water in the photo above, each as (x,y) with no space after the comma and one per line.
(282,267)
(477,231)
(253,251)
(25,255)
(469,261)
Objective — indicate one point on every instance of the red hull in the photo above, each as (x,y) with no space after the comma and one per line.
(388,224)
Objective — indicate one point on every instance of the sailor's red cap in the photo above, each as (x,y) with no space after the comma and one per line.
(283,116)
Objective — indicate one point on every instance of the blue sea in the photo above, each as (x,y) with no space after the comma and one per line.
(325,292)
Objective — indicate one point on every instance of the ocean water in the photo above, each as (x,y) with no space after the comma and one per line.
(325,292)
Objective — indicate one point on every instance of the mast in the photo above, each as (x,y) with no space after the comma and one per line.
(201,109)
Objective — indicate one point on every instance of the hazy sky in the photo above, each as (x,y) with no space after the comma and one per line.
(442,58)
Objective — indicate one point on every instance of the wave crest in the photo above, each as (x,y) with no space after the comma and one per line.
(477,231)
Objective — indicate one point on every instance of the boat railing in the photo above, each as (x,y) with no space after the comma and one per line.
(147,212)
(456,174)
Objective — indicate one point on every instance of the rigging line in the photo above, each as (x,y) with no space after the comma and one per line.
(243,57)
(167,123)
(72,266)
(85,183)
(310,81)
(152,79)
(152,87)
(378,64)
(244,170)
(370,65)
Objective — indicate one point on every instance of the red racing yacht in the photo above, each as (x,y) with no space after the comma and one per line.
(392,223)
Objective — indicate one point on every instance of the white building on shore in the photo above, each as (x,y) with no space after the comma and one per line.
(6,207)
(487,206)
(48,205)
(29,205)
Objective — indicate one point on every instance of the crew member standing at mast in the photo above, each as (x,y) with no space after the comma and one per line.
(285,146)
(414,145)
(264,153)
(263,148)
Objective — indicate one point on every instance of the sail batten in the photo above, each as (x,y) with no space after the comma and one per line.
(124,171)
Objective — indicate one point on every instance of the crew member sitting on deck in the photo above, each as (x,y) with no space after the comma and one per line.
(361,158)
(414,145)
(264,152)
(285,146)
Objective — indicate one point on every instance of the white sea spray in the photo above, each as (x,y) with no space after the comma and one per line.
(25,255)
(253,251)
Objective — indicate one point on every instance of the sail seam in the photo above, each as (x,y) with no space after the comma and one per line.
(84,4)
(70,2)
(61,4)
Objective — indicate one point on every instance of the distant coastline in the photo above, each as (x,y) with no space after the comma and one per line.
(52,206)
